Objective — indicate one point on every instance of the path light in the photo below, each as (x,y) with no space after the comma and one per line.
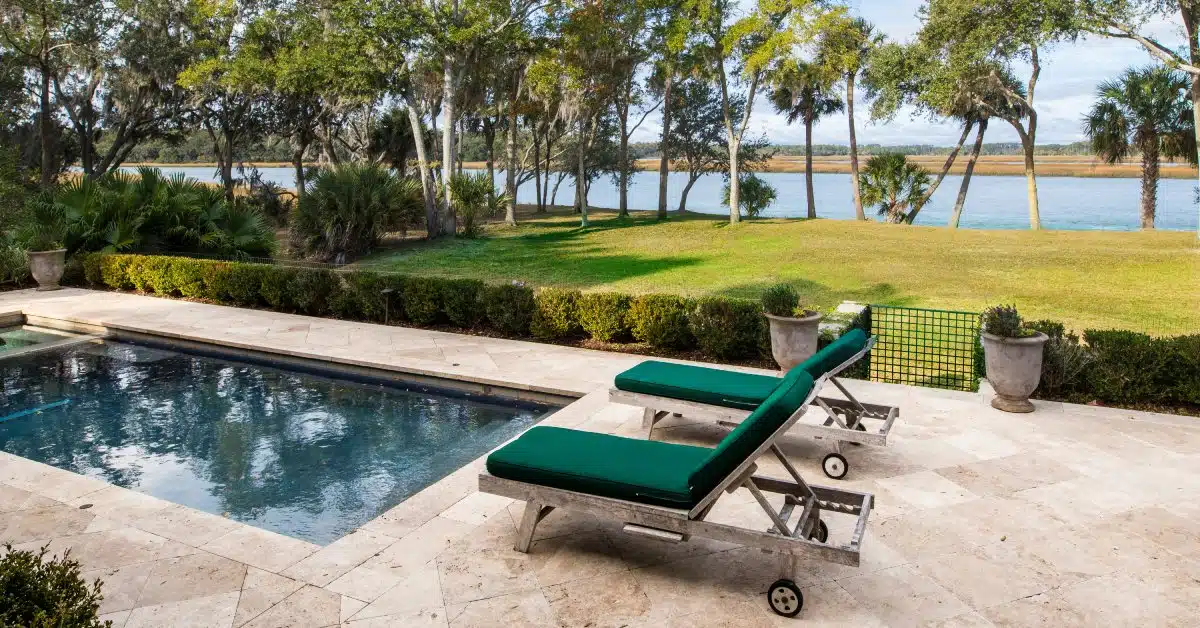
(386,300)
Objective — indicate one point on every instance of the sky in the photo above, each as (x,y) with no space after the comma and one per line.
(1065,90)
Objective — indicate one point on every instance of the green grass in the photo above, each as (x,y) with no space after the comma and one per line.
(1142,281)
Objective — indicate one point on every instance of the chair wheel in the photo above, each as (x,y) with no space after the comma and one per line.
(785,598)
(821,532)
(835,466)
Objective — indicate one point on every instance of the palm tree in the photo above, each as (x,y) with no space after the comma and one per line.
(847,49)
(894,184)
(1144,111)
(803,91)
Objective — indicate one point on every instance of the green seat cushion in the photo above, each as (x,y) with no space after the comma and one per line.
(728,389)
(834,353)
(753,431)
(648,472)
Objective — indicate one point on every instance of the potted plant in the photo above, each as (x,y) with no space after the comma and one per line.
(794,329)
(1013,357)
(42,235)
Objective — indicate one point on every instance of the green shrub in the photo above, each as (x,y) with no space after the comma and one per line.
(311,289)
(555,314)
(1064,361)
(461,301)
(754,195)
(474,196)
(728,329)
(361,297)
(92,263)
(243,285)
(1184,369)
(275,289)
(187,276)
(41,593)
(781,300)
(602,315)
(73,272)
(113,272)
(423,300)
(1004,321)
(1126,367)
(661,320)
(348,208)
(509,308)
(216,280)
(1052,329)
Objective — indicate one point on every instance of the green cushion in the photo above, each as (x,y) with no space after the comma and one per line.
(648,472)
(753,431)
(728,389)
(834,353)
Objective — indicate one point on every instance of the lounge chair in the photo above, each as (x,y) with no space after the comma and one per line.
(665,490)
(665,388)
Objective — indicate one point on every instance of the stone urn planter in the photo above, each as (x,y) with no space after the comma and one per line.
(1014,368)
(794,340)
(47,268)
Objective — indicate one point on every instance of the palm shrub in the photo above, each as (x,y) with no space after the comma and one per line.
(474,198)
(754,195)
(347,209)
(1147,111)
(44,226)
(894,185)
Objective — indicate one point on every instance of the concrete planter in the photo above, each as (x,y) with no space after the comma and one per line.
(793,340)
(1014,368)
(47,268)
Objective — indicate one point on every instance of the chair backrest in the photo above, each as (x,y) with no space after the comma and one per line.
(788,397)
(834,354)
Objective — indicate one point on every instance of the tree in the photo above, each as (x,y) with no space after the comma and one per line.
(631,21)
(1145,111)
(804,91)
(894,184)
(1129,19)
(671,34)
(982,41)
(846,49)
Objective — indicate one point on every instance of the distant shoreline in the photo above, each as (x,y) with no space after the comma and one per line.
(988,165)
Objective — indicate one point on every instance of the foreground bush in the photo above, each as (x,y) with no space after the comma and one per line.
(40,593)
(729,329)
(556,313)
(602,316)
(661,320)
(509,308)
(346,210)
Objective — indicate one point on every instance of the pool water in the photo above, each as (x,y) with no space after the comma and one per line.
(300,454)
(13,338)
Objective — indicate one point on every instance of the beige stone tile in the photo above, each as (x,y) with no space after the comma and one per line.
(997,519)
(186,577)
(186,525)
(1178,534)
(1047,610)
(1077,501)
(921,535)
(43,523)
(115,548)
(260,548)
(1123,601)
(528,608)
(983,444)
(121,504)
(13,499)
(261,591)
(484,565)
(432,618)
(559,522)
(419,509)
(706,584)
(966,620)
(117,618)
(902,596)
(309,607)
(350,606)
(574,557)
(610,600)
(337,558)
(47,481)
(1007,475)
(992,575)
(366,583)
(104,524)
(420,546)
(419,591)
(122,586)
(477,508)
(926,489)
(215,611)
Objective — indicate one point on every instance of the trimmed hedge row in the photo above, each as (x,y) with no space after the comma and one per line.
(724,329)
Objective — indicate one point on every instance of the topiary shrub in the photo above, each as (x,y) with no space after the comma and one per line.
(423,300)
(461,301)
(216,280)
(781,300)
(602,315)
(311,288)
(1004,321)
(92,263)
(40,593)
(187,277)
(275,288)
(556,313)
(1126,367)
(159,277)
(361,297)
(728,329)
(509,308)
(243,284)
(113,272)
(1184,368)
(661,320)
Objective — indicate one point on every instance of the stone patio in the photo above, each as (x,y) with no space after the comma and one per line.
(1070,516)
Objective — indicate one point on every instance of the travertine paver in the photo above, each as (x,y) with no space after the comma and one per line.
(1070,516)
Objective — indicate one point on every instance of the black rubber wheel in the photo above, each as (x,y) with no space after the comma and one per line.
(821,532)
(860,428)
(835,466)
(785,598)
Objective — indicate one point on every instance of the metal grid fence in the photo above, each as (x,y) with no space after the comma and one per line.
(936,348)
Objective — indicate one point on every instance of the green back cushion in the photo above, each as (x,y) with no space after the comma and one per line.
(753,431)
(834,353)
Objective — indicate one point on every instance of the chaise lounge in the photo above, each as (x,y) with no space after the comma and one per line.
(728,397)
(666,490)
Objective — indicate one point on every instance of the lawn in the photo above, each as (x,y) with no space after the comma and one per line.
(1143,281)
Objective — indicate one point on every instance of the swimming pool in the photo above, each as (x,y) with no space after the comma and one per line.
(302,454)
(22,336)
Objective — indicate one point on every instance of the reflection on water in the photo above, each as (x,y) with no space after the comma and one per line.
(1076,203)
(298,454)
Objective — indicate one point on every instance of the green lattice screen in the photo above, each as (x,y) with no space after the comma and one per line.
(936,348)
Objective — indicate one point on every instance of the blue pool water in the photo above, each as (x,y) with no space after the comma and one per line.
(300,454)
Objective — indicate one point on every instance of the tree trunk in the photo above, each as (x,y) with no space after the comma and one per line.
(510,166)
(448,157)
(489,137)
(687,188)
(664,161)
(226,166)
(298,164)
(912,215)
(735,182)
(431,218)
(46,131)
(548,201)
(808,173)
(1035,220)
(557,181)
(624,165)
(966,182)
(1149,181)
(537,172)
(858,206)
(1195,93)
(581,177)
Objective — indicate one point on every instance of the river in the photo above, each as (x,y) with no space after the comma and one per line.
(994,202)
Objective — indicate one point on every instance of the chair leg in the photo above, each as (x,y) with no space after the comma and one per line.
(534,512)
(649,418)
